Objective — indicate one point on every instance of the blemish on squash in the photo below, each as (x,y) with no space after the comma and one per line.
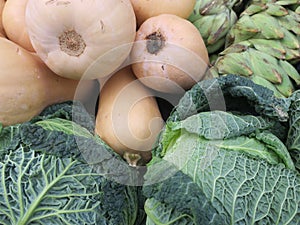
(63,2)
(50,2)
(155,42)
(102,26)
(71,43)
(18,51)
(58,2)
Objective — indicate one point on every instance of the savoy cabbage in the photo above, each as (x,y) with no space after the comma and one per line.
(228,163)
(45,177)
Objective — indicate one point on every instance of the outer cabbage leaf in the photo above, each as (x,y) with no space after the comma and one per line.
(293,137)
(70,110)
(243,188)
(236,94)
(71,120)
(189,207)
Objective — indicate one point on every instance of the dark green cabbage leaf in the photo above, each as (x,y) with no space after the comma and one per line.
(235,94)
(189,207)
(54,170)
(293,136)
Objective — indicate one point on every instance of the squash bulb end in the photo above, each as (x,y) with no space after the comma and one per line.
(71,43)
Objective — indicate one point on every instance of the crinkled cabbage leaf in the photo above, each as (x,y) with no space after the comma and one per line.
(293,136)
(243,170)
(235,94)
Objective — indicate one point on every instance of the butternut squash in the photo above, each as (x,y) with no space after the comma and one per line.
(27,85)
(2,32)
(128,117)
(144,9)
(81,39)
(169,54)
(14,23)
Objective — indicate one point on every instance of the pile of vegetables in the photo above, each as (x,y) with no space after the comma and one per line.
(142,112)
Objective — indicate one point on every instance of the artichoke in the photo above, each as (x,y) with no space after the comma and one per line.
(275,25)
(264,46)
(213,19)
(264,69)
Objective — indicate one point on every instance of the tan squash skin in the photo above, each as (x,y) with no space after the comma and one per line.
(14,23)
(81,39)
(145,9)
(2,32)
(27,86)
(181,59)
(121,121)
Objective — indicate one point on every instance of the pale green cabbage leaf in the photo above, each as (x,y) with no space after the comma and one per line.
(248,180)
